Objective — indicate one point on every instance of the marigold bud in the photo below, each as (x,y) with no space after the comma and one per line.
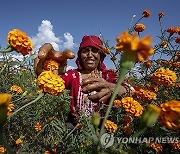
(150,116)
(96,118)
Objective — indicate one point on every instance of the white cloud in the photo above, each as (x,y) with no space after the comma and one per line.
(46,35)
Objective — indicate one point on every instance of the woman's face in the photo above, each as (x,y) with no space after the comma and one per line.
(90,57)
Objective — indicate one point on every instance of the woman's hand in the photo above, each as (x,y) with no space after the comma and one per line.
(100,85)
(47,52)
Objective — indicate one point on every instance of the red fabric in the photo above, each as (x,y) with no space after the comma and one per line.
(72,82)
(95,42)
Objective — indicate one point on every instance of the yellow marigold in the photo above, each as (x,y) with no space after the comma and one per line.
(145,95)
(170,114)
(175,146)
(16,89)
(19,141)
(132,106)
(50,65)
(51,83)
(2,150)
(117,104)
(139,27)
(10,109)
(20,41)
(157,147)
(111,126)
(38,126)
(146,13)
(5,99)
(164,76)
(133,44)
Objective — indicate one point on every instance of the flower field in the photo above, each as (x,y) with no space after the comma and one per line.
(34,111)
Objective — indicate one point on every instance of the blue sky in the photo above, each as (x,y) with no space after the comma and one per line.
(64,22)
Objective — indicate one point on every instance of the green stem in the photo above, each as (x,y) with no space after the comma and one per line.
(116,90)
(141,131)
(3,141)
(39,97)
(7,49)
(72,131)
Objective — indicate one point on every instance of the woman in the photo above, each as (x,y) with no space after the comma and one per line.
(91,83)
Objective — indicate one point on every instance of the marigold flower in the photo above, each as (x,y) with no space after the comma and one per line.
(51,83)
(175,146)
(172,30)
(146,13)
(20,41)
(170,114)
(117,104)
(19,141)
(110,126)
(5,99)
(145,95)
(2,150)
(38,126)
(139,27)
(147,63)
(16,89)
(132,106)
(133,44)
(127,129)
(161,14)
(127,119)
(10,109)
(164,76)
(157,147)
(177,40)
(51,65)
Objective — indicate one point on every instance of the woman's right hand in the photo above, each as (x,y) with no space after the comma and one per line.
(47,52)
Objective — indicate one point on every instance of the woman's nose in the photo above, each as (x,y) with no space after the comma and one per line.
(90,53)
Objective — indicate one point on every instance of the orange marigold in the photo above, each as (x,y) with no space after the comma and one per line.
(10,109)
(51,64)
(133,44)
(173,30)
(139,27)
(20,41)
(51,83)
(2,150)
(157,147)
(146,13)
(19,141)
(161,14)
(177,40)
(170,114)
(38,126)
(175,146)
(145,95)
(110,126)
(16,89)
(117,104)
(132,106)
(164,76)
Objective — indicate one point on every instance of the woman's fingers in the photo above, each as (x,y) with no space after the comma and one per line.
(102,95)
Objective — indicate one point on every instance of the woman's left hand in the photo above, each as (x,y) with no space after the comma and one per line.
(100,85)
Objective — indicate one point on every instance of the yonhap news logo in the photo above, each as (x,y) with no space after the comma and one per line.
(108,140)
